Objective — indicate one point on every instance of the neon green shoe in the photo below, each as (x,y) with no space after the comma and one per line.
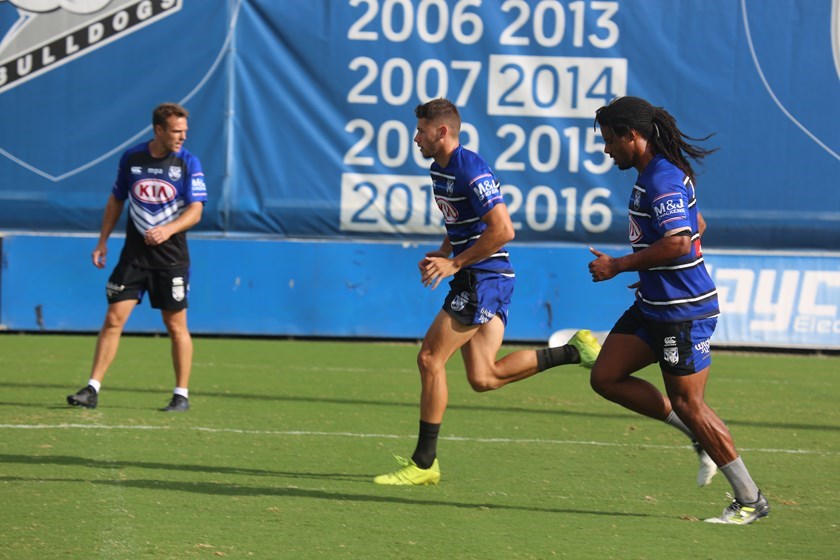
(409,474)
(587,346)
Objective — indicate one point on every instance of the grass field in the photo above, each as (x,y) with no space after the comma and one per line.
(276,457)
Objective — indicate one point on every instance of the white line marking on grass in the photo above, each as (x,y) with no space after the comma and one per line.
(300,433)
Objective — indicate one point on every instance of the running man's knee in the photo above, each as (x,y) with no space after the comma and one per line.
(601,384)
(483,384)
(688,406)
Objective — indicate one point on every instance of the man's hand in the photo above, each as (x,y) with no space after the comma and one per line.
(157,235)
(433,269)
(602,268)
(99,254)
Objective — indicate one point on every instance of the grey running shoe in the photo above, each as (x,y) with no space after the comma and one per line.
(85,397)
(708,468)
(743,514)
(177,404)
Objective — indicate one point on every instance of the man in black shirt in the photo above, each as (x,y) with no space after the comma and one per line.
(164,186)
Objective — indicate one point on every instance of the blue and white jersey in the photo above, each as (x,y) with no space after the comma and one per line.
(465,190)
(663,199)
(158,190)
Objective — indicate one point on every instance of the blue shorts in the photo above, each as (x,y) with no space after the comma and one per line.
(681,348)
(475,297)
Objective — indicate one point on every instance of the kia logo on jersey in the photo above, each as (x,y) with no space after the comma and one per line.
(153,191)
(450,213)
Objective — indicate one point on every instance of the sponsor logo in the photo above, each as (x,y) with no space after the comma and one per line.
(154,171)
(198,183)
(450,213)
(485,315)
(178,289)
(153,191)
(669,208)
(637,200)
(791,304)
(450,186)
(672,356)
(703,346)
(635,231)
(112,289)
(486,189)
(174,173)
(136,170)
(460,301)
(670,341)
(51,33)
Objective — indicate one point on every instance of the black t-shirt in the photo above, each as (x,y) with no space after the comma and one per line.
(158,190)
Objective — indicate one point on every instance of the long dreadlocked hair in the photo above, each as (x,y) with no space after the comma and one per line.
(657,126)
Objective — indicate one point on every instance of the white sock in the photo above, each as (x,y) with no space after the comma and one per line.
(184,392)
(95,384)
(676,422)
(742,483)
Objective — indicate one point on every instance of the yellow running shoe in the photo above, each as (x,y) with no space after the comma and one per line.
(409,474)
(587,346)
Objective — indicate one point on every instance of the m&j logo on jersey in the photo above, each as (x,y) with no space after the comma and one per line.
(45,34)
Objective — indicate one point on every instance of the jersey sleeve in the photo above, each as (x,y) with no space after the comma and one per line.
(196,190)
(669,202)
(485,192)
(122,182)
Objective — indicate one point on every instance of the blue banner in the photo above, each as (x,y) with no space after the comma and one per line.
(364,289)
(302,112)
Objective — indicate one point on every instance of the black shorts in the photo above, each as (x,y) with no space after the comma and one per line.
(681,348)
(168,289)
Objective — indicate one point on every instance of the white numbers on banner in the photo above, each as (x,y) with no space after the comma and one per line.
(544,150)
(399,84)
(392,142)
(527,92)
(547,24)
(431,20)
(389,203)
(553,86)
(541,207)
(406,204)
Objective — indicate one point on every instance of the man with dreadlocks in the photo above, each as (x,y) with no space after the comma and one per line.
(676,306)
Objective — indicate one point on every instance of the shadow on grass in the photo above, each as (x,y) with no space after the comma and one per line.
(236,490)
(620,414)
(69,461)
(301,399)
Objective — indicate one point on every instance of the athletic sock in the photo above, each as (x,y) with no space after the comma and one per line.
(182,391)
(95,384)
(426,451)
(675,421)
(742,483)
(561,355)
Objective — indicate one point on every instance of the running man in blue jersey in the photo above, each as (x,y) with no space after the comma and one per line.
(676,308)
(475,311)
(164,186)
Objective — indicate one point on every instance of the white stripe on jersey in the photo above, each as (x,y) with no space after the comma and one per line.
(467,240)
(443,175)
(142,218)
(684,300)
(691,264)
(465,221)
